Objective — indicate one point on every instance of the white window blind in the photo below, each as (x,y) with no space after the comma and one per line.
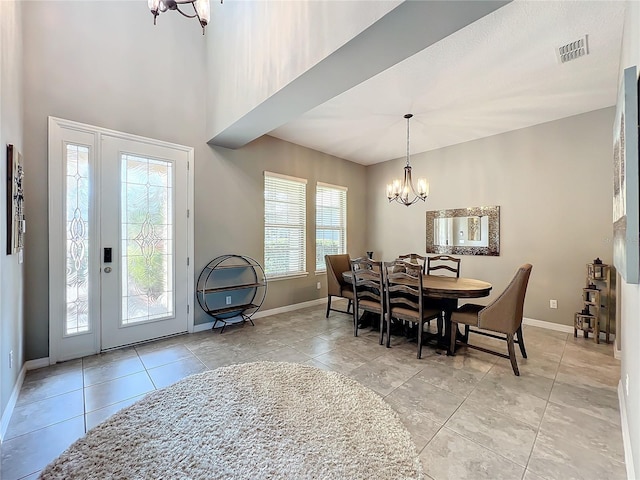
(285,221)
(331,222)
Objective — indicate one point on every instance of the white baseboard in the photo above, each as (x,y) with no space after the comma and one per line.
(8,411)
(626,439)
(201,327)
(548,325)
(37,363)
(560,328)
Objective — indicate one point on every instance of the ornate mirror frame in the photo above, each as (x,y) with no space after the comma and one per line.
(492,212)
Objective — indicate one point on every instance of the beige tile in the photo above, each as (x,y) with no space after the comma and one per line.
(113,369)
(562,458)
(593,401)
(385,374)
(38,387)
(342,360)
(284,354)
(170,373)
(417,395)
(450,456)
(497,432)
(42,413)
(522,406)
(114,391)
(107,357)
(98,416)
(454,380)
(29,453)
(155,357)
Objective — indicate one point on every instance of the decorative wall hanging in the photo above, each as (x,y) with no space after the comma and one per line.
(16,224)
(626,229)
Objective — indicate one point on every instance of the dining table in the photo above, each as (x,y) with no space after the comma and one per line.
(446,290)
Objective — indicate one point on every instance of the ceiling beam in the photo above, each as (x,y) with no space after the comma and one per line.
(407,29)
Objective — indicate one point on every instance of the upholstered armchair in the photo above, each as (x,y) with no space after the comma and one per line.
(503,315)
(336,285)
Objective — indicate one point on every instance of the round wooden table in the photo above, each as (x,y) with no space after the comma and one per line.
(448,290)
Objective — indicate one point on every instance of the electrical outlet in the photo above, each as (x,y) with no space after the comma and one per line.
(318,285)
(553,303)
(11,362)
(626,384)
(228,300)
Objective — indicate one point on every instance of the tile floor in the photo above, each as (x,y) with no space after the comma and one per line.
(469,416)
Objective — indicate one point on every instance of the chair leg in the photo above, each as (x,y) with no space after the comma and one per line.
(512,354)
(521,342)
(381,328)
(454,332)
(355,322)
(388,330)
(466,334)
(420,328)
(349,306)
(328,305)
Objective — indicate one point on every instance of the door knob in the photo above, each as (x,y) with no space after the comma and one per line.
(107,269)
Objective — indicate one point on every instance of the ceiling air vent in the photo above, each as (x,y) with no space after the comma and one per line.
(571,51)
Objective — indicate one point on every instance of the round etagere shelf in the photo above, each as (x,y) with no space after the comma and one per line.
(231,288)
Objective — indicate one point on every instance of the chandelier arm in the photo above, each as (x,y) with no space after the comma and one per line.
(195,15)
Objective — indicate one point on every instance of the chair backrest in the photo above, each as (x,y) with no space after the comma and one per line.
(415,259)
(367,283)
(336,265)
(504,314)
(441,264)
(403,287)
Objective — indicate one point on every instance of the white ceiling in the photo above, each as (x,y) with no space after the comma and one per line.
(495,75)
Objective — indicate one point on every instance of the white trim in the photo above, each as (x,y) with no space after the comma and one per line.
(617,353)
(288,277)
(285,177)
(290,308)
(330,185)
(37,363)
(626,438)
(559,327)
(265,313)
(8,411)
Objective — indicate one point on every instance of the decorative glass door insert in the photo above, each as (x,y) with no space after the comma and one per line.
(147,239)
(78,241)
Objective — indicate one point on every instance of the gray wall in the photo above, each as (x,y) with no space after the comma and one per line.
(11,272)
(630,294)
(107,65)
(553,183)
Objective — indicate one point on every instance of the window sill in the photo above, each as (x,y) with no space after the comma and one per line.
(288,277)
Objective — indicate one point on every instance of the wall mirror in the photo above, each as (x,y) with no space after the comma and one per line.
(464,231)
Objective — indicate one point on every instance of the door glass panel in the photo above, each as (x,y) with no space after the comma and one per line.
(147,239)
(77,244)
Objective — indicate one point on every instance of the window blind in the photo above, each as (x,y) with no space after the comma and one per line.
(284,225)
(331,222)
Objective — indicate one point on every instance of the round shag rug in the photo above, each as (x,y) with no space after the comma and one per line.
(249,421)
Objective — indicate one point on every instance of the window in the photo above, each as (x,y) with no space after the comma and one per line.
(331,222)
(285,222)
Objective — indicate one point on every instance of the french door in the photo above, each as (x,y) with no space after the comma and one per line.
(120,239)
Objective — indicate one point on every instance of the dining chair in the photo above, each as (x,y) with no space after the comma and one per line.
(367,286)
(441,264)
(336,284)
(414,258)
(503,315)
(404,299)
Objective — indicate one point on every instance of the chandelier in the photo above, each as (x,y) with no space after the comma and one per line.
(405,193)
(201,9)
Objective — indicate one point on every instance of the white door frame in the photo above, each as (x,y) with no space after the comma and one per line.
(56,312)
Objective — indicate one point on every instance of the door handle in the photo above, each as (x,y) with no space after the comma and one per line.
(107,269)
